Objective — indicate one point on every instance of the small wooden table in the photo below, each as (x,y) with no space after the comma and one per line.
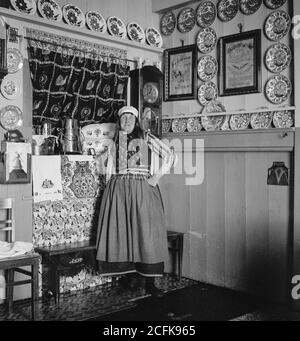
(14,264)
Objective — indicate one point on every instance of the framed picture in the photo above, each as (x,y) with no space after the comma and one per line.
(16,163)
(240,63)
(180,73)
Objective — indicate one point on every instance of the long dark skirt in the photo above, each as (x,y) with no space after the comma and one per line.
(131,234)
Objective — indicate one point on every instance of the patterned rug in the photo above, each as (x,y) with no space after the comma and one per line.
(90,303)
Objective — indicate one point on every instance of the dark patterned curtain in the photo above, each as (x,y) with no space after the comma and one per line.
(70,84)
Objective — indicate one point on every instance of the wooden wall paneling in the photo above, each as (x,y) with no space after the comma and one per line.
(235,220)
(198,231)
(279,230)
(257,223)
(215,213)
(295,302)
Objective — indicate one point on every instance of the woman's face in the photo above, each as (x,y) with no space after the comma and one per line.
(127,122)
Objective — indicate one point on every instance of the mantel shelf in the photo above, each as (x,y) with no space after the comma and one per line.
(239,112)
(33,19)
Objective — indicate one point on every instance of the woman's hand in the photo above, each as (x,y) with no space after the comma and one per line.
(152,181)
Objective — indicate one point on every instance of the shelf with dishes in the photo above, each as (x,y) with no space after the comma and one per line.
(114,30)
(226,121)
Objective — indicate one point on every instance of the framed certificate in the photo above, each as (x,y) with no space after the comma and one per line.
(240,63)
(180,73)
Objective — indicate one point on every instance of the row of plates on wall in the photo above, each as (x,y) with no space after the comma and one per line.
(207,11)
(74,16)
(261,120)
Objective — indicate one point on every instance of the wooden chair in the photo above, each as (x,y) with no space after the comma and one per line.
(15,264)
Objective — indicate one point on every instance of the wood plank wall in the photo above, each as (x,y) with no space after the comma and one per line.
(237,227)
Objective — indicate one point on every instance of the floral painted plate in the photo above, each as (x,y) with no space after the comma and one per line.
(274,4)
(168,23)
(14,60)
(179,125)
(136,33)
(277,25)
(206,40)
(278,57)
(166,125)
(216,122)
(9,88)
(24,6)
(116,27)
(283,119)
(225,126)
(239,122)
(278,89)
(212,123)
(11,117)
(153,37)
(49,9)
(249,7)
(261,120)
(206,14)
(207,68)
(194,125)
(227,9)
(207,92)
(73,15)
(186,20)
(95,22)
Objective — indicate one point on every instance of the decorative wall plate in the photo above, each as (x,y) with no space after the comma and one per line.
(277,25)
(212,123)
(73,15)
(11,117)
(278,89)
(278,57)
(274,4)
(49,9)
(207,68)
(249,7)
(206,14)
(207,92)
(168,23)
(166,125)
(194,125)
(14,60)
(206,40)
(135,32)
(217,122)
(186,20)
(24,6)
(116,27)
(261,120)
(225,126)
(239,122)
(153,37)
(9,88)
(283,119)
(227,9)
(95,22)
(179,125)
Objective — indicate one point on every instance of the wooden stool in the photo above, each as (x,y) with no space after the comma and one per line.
(175,240)
(63,257)
(14,264)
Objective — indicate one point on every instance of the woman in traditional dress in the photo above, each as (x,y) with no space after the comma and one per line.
(132,235)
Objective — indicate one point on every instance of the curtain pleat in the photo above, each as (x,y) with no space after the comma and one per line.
(68,84)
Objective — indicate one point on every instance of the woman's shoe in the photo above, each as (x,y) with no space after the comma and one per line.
(152,289)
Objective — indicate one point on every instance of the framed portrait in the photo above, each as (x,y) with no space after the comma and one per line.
(240,63)
(16,163)
(180,73)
